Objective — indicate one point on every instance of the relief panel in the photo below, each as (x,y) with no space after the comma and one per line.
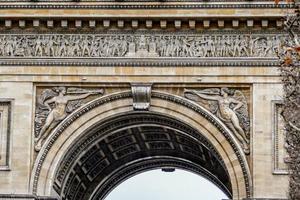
(280,155)
(5,133)
(230,106)
(54,104)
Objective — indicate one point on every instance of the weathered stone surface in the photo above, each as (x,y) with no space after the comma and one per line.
(159,51)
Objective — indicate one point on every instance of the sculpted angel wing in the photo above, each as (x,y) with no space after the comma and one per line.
(42,111)
(212,105)
(46,94)
(242,113)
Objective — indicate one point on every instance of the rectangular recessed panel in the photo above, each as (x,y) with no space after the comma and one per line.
(98,169)
(159,145)
(126,151)
(155,136)
(121,143)
(92,161)
(278,133)
(5,128)
(88,153)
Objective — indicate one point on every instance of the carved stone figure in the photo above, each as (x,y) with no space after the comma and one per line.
(230,106)
(54,105)
(114,45)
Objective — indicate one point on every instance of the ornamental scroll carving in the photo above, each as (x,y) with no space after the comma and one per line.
(138,45)
(54,105)
(230,106)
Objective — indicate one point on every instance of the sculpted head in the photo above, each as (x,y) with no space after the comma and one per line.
(224,92)
(61,90)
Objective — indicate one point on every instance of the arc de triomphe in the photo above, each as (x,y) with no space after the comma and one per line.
(93,92)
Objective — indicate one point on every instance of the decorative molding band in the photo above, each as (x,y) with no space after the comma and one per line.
(141,49)
(25,196)
(180,62)
(147,6)
(211,1)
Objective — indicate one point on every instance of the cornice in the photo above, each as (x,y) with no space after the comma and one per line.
(148,5)
(163,62)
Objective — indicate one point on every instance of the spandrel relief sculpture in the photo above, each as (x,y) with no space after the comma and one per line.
(230,106)
(54,105)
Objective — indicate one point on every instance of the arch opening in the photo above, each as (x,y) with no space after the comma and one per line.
(166,183)
(125,145)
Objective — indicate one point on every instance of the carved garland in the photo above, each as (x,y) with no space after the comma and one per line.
(42,155)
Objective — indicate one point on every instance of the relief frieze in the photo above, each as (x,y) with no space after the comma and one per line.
(38,46)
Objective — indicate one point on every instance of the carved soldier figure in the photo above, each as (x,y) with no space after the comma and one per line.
(10,46)
(63,47)
(2,45)
(38,47)
(85,47)
(243,47)
(272,46)
(123,46)
(187,47)
(162,46)
(49,45)
(223,47)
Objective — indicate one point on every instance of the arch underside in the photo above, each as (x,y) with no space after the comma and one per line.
(124,145)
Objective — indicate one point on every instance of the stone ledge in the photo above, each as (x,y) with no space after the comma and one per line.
(25,197)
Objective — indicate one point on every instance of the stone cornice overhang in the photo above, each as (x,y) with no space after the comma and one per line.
(142,10)
(146,62)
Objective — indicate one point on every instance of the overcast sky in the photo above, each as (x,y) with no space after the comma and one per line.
(158,185)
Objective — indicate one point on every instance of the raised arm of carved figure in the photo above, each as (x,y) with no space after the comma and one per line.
(80,93)
(202,95)
(208,97)
(77,97)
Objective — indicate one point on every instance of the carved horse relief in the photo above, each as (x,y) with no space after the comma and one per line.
(54,105)
(230,106)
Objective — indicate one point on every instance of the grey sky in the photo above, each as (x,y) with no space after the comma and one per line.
(158,185)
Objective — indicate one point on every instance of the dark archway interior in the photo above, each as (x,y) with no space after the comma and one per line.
(122,146)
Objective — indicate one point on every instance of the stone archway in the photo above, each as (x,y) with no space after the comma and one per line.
(175,132)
